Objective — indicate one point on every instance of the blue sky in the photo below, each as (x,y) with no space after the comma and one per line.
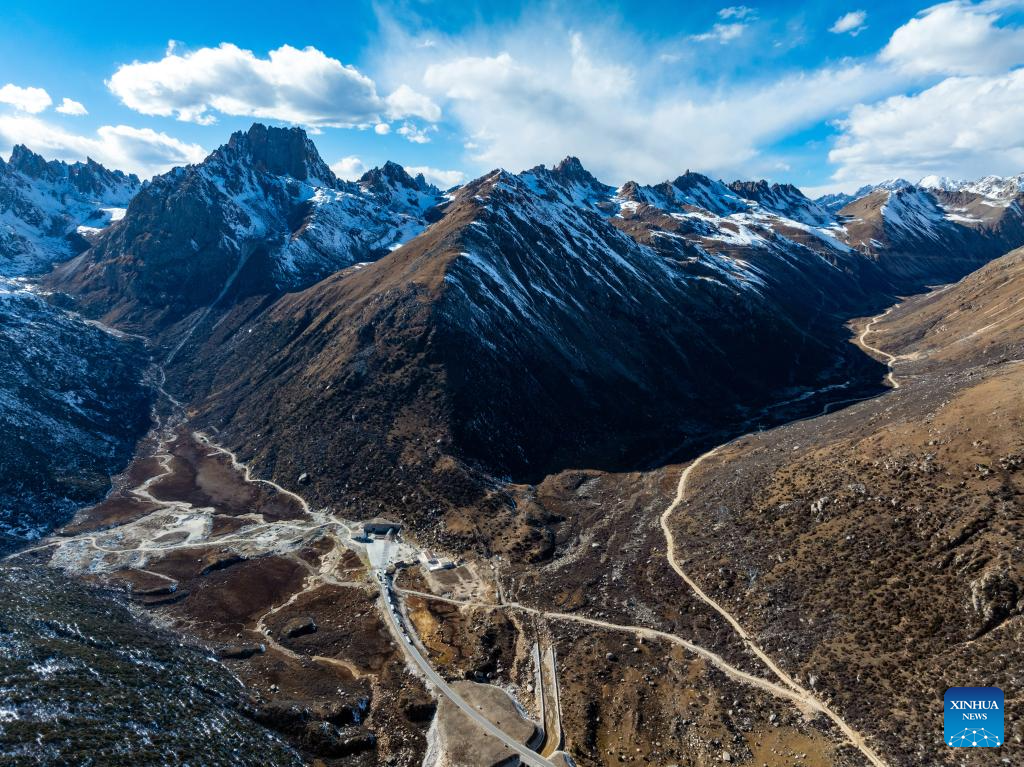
(828,97)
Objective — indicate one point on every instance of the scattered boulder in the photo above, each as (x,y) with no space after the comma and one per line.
(298,627)
(241,651)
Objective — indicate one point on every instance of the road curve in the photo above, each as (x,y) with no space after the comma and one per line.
(527,756)
(890,359)
(642,631)
(244,468)
(681,491)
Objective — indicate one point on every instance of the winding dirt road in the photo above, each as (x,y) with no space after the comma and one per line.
(890,359)
(802,693)
(641,631)
(247,472)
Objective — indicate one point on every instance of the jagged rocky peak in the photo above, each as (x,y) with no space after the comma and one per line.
(390,175)
(279,152)
(694,188)
(760,190)
(784,200)
(571,171)
(89,177)
(25,161)
(889,185)
(568,180)
(692,180)
(392,186)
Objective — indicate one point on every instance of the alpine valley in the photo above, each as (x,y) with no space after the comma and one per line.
(530,470)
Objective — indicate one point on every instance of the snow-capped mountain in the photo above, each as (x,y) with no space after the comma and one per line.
(396,190)
(262,214)
(835,202)
(992,187)
(527,321)
(544,320)
(691,190)
(72,404)
(49,209)
(938,229)
(784,200)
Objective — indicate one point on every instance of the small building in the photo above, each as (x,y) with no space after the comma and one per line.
(381,527)
(433,562)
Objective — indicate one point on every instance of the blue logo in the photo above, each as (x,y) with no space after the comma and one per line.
(974,717)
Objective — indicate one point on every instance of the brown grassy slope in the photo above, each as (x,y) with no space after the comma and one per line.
(978,321)
(879,551)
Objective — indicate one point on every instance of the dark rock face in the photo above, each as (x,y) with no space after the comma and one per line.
(261,215)
(279,152)
(72,405)
(86,683)
(525,332)
(784,199)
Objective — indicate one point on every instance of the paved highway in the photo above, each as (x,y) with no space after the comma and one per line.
(527,756)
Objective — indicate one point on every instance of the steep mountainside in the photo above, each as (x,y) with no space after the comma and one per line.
(785,200)
(49,210)
(523,332)
(72,405)
(261,215)
(529,323)
(976,322)
(937,230)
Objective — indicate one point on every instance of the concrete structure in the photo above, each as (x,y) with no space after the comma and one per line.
(432,562)
(378,526)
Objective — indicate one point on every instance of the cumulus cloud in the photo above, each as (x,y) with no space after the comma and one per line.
(72,107)
(851,23)
(957,38)
(443,179)
(303,86)
(349,168)
(137,150)
(31,100)
(405,102)
(382,129)
(963,126)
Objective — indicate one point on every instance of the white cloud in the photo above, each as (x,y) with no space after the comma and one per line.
(291,85)
(957,38)
(850,23)
(31,100)
(349,168)
(382,129)
(414,133)
(72,107)
(538,100)
(444,179)
(405,102)
(964,127)
(137,150)
(737,12)
(722,33)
